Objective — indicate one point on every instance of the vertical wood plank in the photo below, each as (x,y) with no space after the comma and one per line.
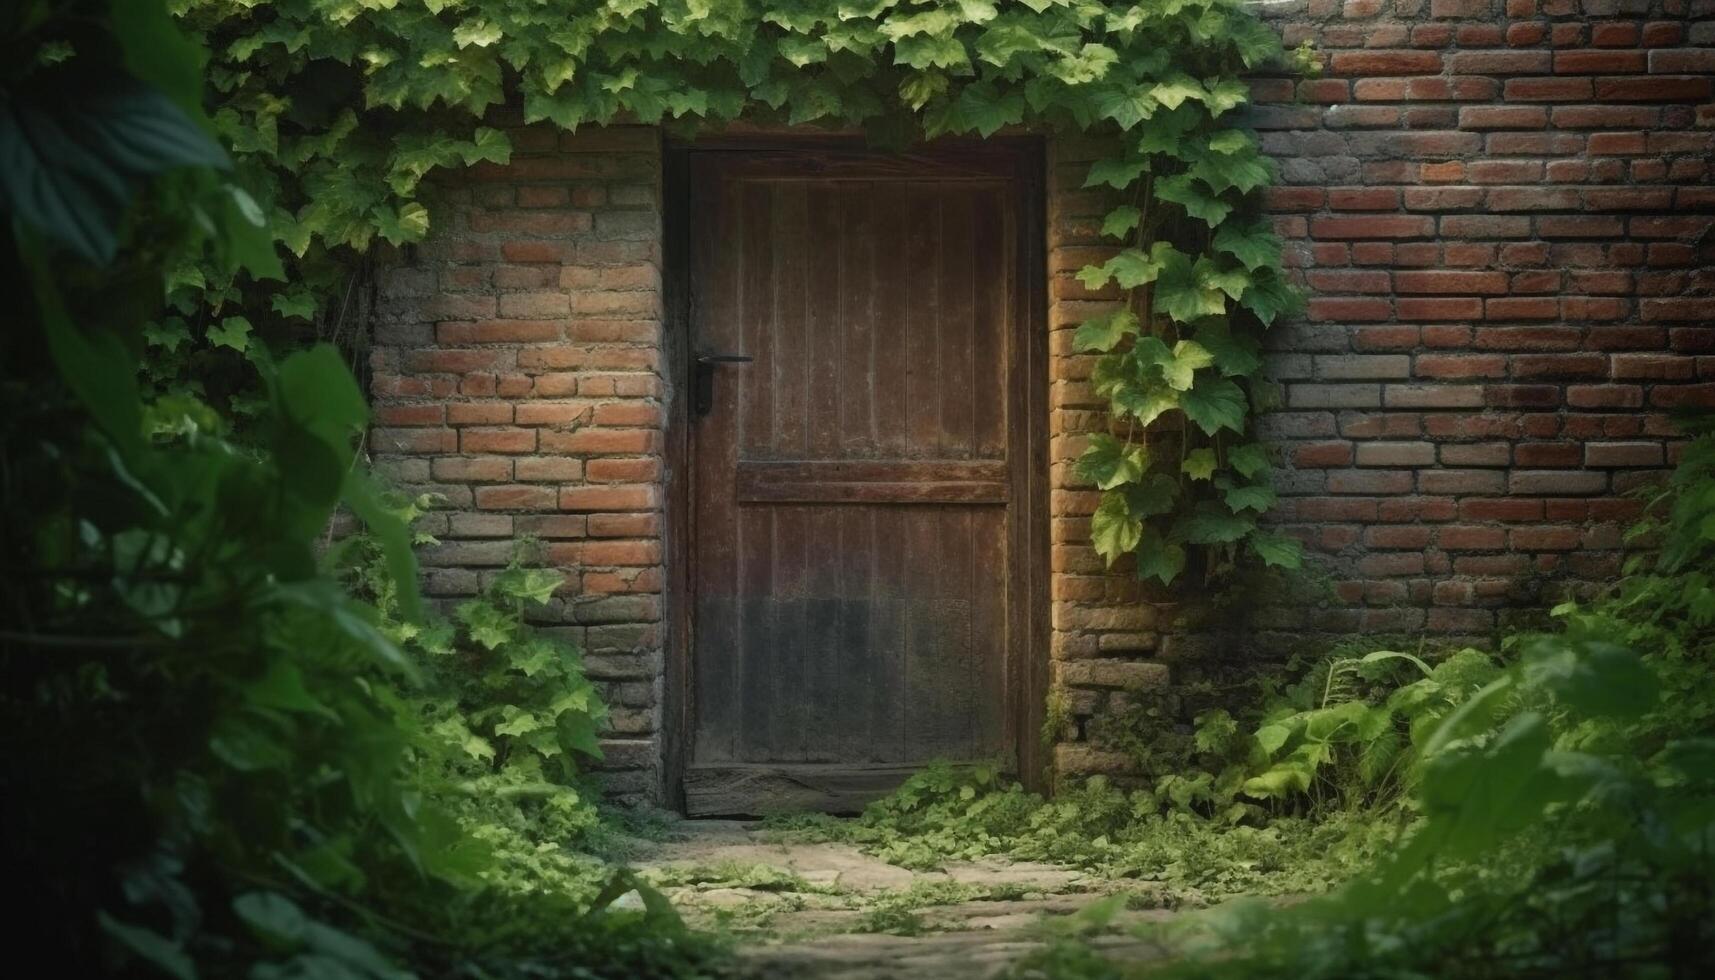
(956,337)
(891,272)
(824,320)
(922,322)
(993,321)
(793,303)
(716,662)
(859,316)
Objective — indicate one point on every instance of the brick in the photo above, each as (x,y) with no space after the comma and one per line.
(1469,308)
(1381,62)
(1623,454)
(1441,282)
(1654,88)
(1395,454)
(1598,62)
(1388,226)
(1558,483)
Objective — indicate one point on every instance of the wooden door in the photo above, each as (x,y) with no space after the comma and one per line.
(859,487)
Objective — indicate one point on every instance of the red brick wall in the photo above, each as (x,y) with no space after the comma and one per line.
(1501,210)
(517,371)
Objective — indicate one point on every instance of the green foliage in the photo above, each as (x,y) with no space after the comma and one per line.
(219,759)
(338,112)
(1555,806)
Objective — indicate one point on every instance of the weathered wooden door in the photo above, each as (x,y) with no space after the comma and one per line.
(859,488)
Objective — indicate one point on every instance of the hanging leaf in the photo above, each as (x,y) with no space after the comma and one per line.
(1185,191)
(1253,244)
(1212,523)
(1199,464)
(1215,404)
(1159,559)
(1113,530)
(1256,497)
(1108,462)
(1248,460)
(1277,550)
(1118,174)
(1120,221)
(1105,332)
(1235,355)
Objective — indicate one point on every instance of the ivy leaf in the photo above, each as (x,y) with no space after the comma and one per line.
(1094,277)
(1215,404)
(1256,42)
(170,332)
(1178,368)
(1166,130)
(477,32)
(1199,464)
(1253,244)
(924,53)
(1235,355)
(297,302)
(488,625)
(1231,280)
(1212,523)
(1104,333)
(1118,174)
(920,88)
(1113,531)
(985,109)
(1182,294)
(1133,268)
(1153,495)
(1120,221)
(1269,296)
(535,585)
(517,721)
(1146,403)
(1230,141)
(1174,91)
(233,332)
(1257,497)
(1224,95)
(1126,105)
(1182,190)
(1277,550)
(1109,462)
(1240,171)
(1248,460)
(1159,559)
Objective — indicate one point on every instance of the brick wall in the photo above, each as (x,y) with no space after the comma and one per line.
(517,371)
(1501,209)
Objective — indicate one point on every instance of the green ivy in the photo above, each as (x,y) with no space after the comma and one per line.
(338,110)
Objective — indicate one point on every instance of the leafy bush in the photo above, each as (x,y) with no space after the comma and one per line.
(219,760)
(1558,805)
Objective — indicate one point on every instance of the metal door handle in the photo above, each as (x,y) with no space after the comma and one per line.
(703,387)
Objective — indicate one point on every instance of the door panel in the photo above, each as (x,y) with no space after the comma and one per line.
(853,502)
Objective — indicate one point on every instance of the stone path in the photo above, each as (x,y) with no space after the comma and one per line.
(831,912)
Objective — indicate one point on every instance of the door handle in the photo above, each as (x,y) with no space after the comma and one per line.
(703,382)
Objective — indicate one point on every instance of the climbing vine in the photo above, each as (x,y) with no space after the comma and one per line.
(338,109)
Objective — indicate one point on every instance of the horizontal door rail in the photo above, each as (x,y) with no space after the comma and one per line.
(916,481)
